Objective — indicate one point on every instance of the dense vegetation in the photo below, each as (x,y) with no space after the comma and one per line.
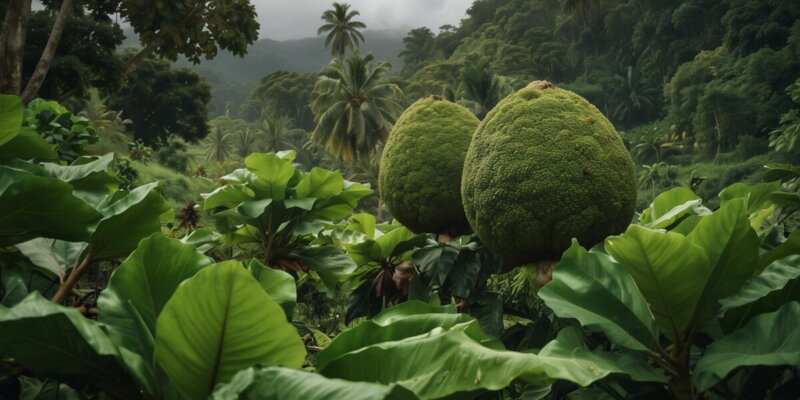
(621,174)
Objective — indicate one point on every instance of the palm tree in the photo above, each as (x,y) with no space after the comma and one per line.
(633,96)
(102,119)
(218,145)
(481,86)
(246,142)
(418,48)
(279,133)
(341,29)
(354,110)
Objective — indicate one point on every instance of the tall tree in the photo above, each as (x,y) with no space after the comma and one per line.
(481,86)
(162,101)
(169,28)
(354,109)
(279,133)
(218,145)
(86,56)
(342,30)
(12,43)
(418,49)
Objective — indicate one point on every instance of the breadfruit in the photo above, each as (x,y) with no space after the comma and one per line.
(545,166)
(420,174)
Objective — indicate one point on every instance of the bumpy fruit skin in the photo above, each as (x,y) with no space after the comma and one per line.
(546,166)
(420,175)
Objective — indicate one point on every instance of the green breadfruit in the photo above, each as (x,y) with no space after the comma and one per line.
(420,174)
(546,166)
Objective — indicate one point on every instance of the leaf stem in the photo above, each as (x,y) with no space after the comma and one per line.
(73,278)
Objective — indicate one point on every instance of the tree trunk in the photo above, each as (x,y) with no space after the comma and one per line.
(134,62)
(37,78)
(12,45)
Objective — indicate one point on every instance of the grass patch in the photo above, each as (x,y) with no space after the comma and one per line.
(177,188)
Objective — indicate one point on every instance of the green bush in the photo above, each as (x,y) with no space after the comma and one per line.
(173,154)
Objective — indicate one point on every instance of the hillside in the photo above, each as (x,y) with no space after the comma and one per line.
(297,55)
(232,78)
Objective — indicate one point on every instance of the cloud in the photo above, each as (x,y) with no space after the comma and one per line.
(282,19)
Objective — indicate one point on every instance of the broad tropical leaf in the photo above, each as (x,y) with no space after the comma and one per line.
(773,278)
(34,206)
(289,384)
(600,294)
(789,247)
(10,117)
(769,339)
(329,262)
(27,145)
(35,328)
(278,284)
(128,217)
(669,269)
(320,183)
(732,248)
(142,285)
(273,174)
(757,199)
(670,206)
(89,177)
(55,256)
(234,325)
(472,367)
(396,323)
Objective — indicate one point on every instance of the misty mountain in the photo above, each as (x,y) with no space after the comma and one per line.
(298,55)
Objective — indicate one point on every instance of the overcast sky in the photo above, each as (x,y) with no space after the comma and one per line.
(292,19)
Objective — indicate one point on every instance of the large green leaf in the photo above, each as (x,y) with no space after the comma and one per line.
(341,205)
(769,339)
(671,206)
(91,178)
(228,196)
(364,223)
(447,362)
(278,284)
(391,240)
(773,278)
(55,256)
(217,323)
(13,288)
(320,184)
(600,294)
(289,384)
(669,269)
(127,219)
(33,389)
(10,117)
(34,206)
(790,246)
(273,174)
(27,145)
(142,285)
(58,342)
(329,262)
(732,249)
(757,199)
(396,323)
